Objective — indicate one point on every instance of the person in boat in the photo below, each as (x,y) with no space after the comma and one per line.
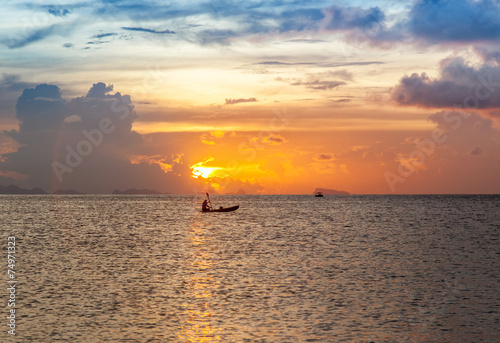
(204,206)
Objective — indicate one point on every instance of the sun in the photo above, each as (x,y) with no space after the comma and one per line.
(199,169)
(204,172)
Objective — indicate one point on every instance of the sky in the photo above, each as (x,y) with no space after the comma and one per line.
(255,97)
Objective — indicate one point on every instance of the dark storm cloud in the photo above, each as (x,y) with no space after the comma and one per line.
(81,144)
(459,84)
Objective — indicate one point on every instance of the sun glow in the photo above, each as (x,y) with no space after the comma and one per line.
(199,170)
(204,172)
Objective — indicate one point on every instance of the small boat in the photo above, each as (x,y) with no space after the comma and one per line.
(318,195)
(222,209)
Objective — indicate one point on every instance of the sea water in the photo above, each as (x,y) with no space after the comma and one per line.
(282,268)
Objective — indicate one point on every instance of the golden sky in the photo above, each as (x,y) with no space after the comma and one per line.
(254,97)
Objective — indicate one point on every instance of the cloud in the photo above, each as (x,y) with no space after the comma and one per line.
(274,63)
(360,147)
(427,21)
(39,108)
(488,53)
(342,74)
(11,86)
(318,64)
(12,83)
(216,37)
(98,42)
(230,185)
(459,135)
(238,101)
(261,142)
(143,29)
(319,85)
(59,12)
(323,157)
(209,138)
(454,20)
(99,90)
(103,35)
(303,40)
(241,19)
(354,64)
(21,39)
(338,18)
(476,151)
(463,122)
(72,118)
(274,140)
(459,84)
(147,10)
(305,19)
(84,143)
(223,8)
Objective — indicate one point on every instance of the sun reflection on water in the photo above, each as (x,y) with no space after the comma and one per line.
(198,316)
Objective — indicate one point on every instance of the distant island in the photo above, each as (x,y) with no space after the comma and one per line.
(12,189)
(137,191)
(67,191)
(329,191)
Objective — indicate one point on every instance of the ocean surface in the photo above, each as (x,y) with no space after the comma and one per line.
(282,268)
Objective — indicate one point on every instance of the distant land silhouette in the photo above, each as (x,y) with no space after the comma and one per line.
(12,189)
(67,191)
(137,191)
(329,191)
